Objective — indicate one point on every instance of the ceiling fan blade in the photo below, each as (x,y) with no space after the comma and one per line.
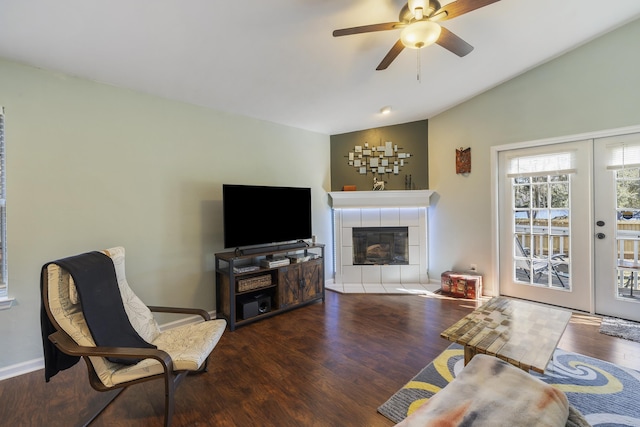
(368,28)
(460,7)
(453,43)
(391,55)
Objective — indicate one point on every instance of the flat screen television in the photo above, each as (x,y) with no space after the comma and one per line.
(256,215)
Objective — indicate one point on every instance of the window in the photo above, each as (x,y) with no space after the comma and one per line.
(5,301)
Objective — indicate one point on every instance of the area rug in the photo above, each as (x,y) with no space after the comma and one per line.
(620,328)
(606,394)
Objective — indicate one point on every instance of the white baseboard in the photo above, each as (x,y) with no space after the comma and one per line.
(36,364)
(22,368)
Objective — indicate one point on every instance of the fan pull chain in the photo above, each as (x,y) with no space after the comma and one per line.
(418,66)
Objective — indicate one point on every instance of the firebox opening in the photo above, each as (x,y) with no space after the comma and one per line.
(380,245)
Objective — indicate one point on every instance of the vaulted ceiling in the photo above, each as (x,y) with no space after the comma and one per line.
(277,60)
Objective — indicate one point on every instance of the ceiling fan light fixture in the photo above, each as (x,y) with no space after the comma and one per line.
(418,6)
(420,34)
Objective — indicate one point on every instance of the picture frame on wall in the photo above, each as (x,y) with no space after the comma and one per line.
(463,160)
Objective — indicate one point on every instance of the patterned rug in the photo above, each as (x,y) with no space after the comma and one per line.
(606,394)
(620,328)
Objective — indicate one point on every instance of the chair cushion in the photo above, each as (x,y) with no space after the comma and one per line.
(188,345)
(73,292)
(139,314)
(489,392)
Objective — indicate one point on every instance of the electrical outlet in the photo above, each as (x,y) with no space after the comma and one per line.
(473,267)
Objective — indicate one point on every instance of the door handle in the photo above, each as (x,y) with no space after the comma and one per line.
(600,236)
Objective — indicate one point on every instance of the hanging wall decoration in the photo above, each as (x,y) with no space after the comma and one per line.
(463,160)
(381,159)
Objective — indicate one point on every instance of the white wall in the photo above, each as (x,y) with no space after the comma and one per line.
(594,87)
(90,166)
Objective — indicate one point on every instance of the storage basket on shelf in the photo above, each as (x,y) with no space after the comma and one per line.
(255,282)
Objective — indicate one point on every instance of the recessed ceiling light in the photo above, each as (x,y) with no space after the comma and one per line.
(385,110)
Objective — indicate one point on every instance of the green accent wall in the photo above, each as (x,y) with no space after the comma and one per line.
(410,137)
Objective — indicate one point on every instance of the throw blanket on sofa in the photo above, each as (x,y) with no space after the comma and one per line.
(489,392)
(95,280)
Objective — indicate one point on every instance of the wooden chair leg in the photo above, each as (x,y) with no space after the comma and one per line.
(171,383)
(168,405)
(89,414)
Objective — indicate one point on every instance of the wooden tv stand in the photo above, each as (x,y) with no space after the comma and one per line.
(247,296)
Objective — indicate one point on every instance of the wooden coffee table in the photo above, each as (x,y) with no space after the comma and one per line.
(521,333)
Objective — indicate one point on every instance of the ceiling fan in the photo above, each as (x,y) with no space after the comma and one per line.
(418,21)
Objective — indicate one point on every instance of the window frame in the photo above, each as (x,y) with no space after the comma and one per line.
(5,301)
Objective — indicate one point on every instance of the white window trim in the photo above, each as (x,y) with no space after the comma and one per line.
(5,301)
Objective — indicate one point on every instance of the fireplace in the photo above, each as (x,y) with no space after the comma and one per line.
(380,245)
(392,259)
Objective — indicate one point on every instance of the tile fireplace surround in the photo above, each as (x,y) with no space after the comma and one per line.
(393,208)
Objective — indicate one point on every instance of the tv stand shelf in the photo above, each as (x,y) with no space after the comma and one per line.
(248,296)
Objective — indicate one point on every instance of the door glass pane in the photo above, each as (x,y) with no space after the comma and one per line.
(521,196)
(541,223)
(540,195)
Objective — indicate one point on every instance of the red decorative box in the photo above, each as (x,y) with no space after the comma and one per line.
(461,285)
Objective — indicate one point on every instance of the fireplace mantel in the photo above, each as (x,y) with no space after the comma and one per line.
(387,208)
(380,199)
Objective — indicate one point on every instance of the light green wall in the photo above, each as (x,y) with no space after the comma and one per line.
(90,166)
(595,87)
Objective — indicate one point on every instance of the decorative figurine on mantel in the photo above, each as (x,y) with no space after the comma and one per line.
(377,185)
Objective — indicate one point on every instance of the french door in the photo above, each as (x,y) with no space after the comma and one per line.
(617,231)
(545,244)
(569,216)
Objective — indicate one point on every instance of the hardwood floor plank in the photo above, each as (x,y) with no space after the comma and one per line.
(326,364)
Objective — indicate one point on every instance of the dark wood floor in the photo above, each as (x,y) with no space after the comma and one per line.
(327,364)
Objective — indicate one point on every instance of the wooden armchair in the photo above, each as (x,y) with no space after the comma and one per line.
(66,338)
